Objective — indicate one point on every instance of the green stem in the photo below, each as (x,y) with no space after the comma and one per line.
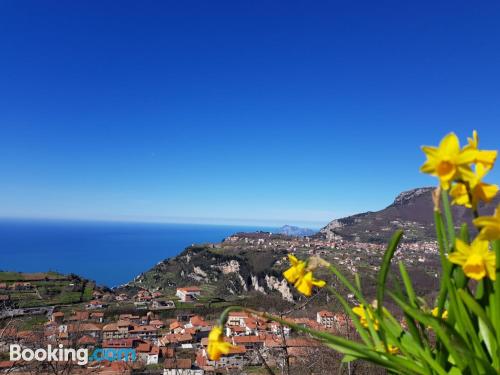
(496,290)
(449,219)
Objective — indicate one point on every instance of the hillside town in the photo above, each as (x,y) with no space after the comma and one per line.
(165,327)
(167,345)
(343,252)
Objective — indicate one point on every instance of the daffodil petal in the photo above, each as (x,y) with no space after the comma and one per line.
(450,145)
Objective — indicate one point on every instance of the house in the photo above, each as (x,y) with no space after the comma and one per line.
(306,323)
(132,318)
(118,343)
(236,331)
(57,317)
(147,353)
(111,331)
(188,294)
(157,323)
(79,316)
(162,305)
(180,366)
(196,321)
(124,326)
(249,342)
(235,359)
(343,322)
(325,318)
(176,340)
(176,327)
(153,356)
(97,317)
(87,341)
(237,318)
(144,332)
(276,328)
(91,329)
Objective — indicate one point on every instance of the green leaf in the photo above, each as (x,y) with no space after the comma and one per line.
(496,297)
(393,363)
(464,233)
(489,341)
(385,267)
(449,217)
(359,328)
(475,308)
(347,284)
(348,358)
(444,333)
(455,371)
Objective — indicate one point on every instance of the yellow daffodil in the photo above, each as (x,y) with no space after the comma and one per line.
(216,344)
(361,312)
(301,277)
(448,162)
(471,192)
(296,271)
(486,158)
(477,260)
(392,349)
(489,225)
(444,315)
(306,283)
(480,191)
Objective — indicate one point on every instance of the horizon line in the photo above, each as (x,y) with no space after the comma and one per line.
(269,224)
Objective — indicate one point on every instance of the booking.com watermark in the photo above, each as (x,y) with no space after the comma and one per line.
(61,354)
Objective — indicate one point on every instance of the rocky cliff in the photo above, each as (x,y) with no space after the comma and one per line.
(411,211)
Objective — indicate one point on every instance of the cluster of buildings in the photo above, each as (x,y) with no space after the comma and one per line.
(349,254)
(177,345)
(266,240)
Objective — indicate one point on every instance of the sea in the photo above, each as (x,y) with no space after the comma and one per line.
(111,253)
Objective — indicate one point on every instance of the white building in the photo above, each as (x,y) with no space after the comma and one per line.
(188,294)
(325,318)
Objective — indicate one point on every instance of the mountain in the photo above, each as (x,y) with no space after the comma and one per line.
(411,211)
(248,266)
(227,270)
(291,230)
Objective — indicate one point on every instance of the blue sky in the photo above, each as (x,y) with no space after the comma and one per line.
(235,112)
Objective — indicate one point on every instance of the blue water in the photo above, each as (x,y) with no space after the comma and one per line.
(110,253)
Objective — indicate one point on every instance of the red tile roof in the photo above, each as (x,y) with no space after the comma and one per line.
(110,327)
(86,340)
(143,347)
(177,364)
(118,343)
(247,339)
(198,321)
(325,314)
